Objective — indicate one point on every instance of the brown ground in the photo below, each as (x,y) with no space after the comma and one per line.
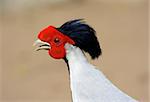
(28,76)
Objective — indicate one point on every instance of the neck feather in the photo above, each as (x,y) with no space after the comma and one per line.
(74,53)
(89,84)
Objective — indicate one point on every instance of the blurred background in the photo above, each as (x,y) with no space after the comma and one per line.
(28,76)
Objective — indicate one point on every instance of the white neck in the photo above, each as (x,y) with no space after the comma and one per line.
(89,84)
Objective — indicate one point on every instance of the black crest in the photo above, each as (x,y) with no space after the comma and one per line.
(83,35)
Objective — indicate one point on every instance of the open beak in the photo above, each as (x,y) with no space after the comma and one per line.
(41,45)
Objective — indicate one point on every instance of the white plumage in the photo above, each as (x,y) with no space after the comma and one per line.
(89,84)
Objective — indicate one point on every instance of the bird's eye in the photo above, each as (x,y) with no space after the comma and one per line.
(56,40)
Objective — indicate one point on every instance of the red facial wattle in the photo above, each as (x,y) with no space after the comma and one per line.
(57,41)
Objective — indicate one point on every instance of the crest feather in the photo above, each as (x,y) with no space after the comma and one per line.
(83,35)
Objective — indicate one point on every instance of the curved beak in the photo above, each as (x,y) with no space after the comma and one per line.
(41,45)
